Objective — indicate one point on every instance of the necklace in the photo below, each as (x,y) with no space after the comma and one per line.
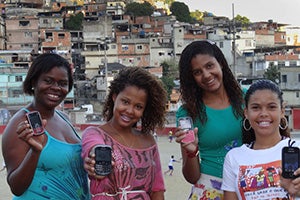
(122,138)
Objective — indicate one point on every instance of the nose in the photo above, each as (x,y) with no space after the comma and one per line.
(55,85)
(263,112)
(205,73)
(129,109)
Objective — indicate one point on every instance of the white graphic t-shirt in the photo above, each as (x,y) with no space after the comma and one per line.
(253,174)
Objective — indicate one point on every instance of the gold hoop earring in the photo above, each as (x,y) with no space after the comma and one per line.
(285,122)
(244,125)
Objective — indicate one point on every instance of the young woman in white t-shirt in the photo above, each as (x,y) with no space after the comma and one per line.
(253,171)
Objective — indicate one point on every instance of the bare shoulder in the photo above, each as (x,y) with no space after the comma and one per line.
(63,114)
(147,139)
(13,123)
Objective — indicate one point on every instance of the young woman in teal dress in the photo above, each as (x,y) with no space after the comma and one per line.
(214,99)
(46,166)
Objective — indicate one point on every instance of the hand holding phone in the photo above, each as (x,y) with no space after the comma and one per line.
(103,160)
(186,124)
(35,121)
(290,161)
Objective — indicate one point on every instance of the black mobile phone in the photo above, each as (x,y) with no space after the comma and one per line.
(35,121)
(186,124)
(290,161)
(103,160)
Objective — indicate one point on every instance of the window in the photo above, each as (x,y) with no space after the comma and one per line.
(27,34)
(113,46)
(293,63)
(248,43)
(26,45)
(140,47)
(48,35)
(297,94)
(298,77)
(124,47)
(61,35)
(221,44)
(284,78)
(23,23)
(281,64)
(45,21)
(19,79)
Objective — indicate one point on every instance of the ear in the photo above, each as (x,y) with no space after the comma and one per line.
(246,112)
(282,111)
(114,96)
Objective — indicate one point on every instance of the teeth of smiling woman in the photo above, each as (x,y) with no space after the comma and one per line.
(53,96)
(264,123)
(210,81)
(125,118)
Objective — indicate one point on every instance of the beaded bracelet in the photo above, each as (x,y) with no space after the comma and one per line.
(194,153)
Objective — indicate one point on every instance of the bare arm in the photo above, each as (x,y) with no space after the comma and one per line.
(190,158)
(159,195)
(21,152)
(230,195)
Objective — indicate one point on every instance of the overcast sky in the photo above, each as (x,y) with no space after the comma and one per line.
(280,11)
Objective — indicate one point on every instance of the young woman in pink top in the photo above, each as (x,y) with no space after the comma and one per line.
(135,96)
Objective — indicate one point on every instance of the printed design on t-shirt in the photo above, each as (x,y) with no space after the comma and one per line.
(261,182)
(232,144)
(209,191)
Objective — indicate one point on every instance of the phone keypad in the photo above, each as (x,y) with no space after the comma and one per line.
(102,168)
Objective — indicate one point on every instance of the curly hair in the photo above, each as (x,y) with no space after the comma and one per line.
(192,94)
(155,110)
(248,136)
(43,64)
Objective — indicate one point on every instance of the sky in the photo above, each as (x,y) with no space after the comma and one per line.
(280,11)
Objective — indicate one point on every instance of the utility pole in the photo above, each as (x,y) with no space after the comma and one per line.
(233,43)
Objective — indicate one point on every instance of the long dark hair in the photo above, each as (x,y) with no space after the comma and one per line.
(192,94)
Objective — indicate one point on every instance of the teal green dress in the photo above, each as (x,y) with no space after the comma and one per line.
(59,174)
(217,136)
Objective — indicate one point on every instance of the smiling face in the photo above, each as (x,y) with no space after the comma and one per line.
(264,112)
(207,72)
(52,87)
(129,106)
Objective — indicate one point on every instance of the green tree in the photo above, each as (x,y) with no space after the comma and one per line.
(74,22)
(169,73)
(181,11)
(139,9)
(197,15)
(272,73)
(244,21)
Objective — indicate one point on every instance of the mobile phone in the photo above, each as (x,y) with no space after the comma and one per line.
(186,124)
(35,121)
(290,161)
(103,160)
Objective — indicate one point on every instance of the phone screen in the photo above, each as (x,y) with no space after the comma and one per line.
(35,122)
(103,154)
(290,161)
(103,160)
(186,124)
